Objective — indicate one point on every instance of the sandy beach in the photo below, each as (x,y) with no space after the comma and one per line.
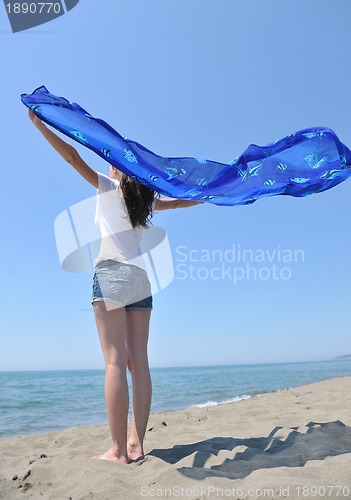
(293,444)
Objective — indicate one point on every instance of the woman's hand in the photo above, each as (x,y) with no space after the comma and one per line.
(37,122)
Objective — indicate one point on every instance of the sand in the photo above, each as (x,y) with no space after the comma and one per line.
(293,444)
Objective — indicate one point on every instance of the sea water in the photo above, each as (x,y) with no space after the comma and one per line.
(42,401)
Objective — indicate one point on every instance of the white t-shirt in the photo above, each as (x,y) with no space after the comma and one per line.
(119,240)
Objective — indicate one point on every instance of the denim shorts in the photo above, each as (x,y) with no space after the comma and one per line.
(121,285)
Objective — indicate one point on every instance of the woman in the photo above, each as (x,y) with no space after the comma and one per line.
(122,299)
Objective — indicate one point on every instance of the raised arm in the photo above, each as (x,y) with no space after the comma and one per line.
(67,151)
(168,203)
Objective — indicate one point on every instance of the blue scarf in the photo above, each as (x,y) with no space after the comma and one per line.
(305,162)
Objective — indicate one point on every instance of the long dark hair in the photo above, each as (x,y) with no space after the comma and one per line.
(138,199)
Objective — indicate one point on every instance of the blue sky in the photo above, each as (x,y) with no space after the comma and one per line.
(202,79)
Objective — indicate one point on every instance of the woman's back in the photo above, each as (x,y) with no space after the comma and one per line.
(119,240)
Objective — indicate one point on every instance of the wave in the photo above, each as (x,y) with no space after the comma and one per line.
(236,398)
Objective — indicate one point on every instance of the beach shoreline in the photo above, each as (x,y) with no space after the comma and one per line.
(282,441)
(48,401)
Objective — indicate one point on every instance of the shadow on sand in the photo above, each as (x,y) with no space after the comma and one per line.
(321,440)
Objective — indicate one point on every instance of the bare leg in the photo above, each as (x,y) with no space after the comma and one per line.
(112,328)
(138,365)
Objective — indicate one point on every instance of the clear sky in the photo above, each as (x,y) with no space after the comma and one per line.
(204,79)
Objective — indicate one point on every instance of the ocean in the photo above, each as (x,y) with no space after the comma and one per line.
(42,401)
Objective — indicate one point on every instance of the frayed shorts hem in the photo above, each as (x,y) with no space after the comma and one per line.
(120,304)
(115,302)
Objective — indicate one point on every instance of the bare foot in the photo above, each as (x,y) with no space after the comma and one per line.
(135,452)
(113,456)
